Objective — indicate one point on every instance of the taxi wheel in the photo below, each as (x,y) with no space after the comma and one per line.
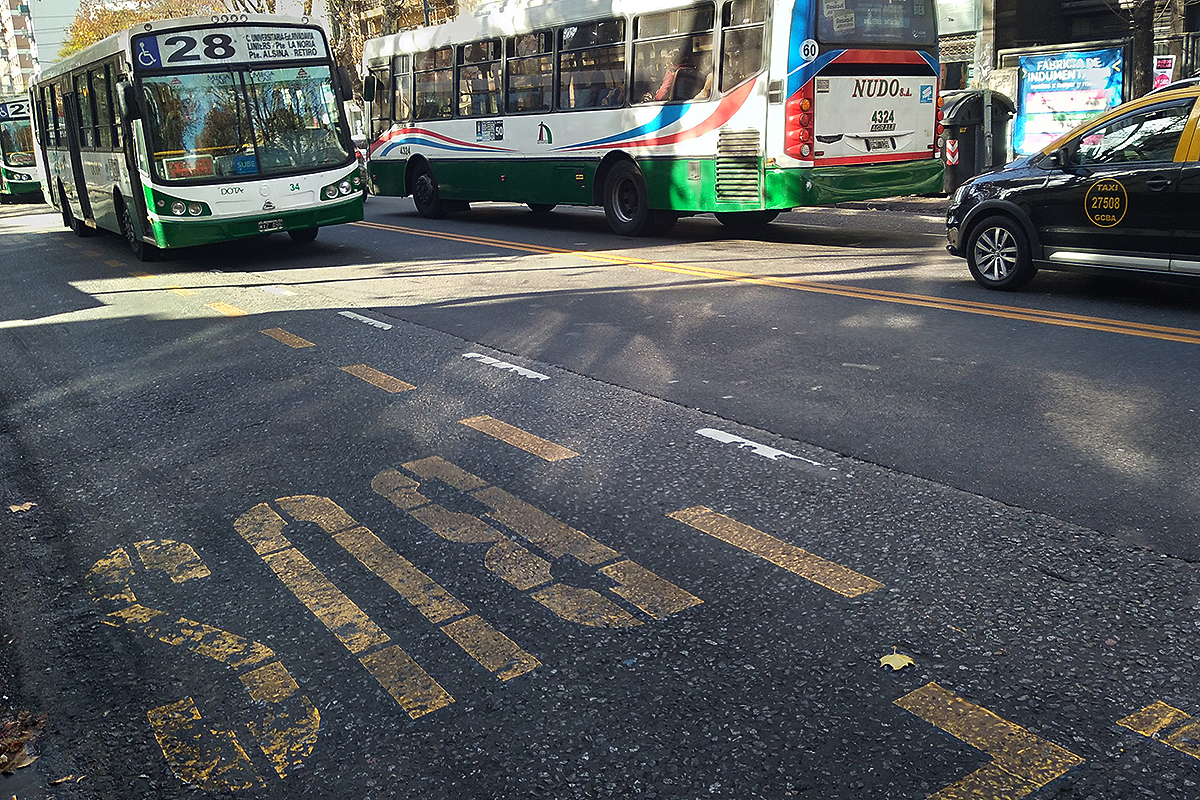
(998,254)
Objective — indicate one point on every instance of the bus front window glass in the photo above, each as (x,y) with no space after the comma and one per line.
(16,140)
(295,115)
(197,127)
(874,22)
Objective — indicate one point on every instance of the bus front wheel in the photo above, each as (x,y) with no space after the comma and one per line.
(141,250)
(425,193)
(626,201)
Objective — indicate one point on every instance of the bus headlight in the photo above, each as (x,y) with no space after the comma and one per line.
(195,209)
(178,208)
(345,188)
(331,192)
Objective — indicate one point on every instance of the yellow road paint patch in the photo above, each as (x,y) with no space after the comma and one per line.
(226,309)
(492,649)
(290,339)
(112,262)
(179,290)
(377,378)
(647,591)
(1168,725)
(411,687)
(146,276)
(198,755)
(1021,761)
(178,560)
(820,571)
(524,440)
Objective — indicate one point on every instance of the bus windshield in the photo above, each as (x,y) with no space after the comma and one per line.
(876,22)
(16,141)
(242,123)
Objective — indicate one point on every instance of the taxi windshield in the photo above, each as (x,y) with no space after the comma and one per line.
(16,142)
(242,123)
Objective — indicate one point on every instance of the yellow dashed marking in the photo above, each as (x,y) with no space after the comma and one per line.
(290,339)
(147,276)
(377,378)
(178,560)
(820,571)
(91,253)
(1021,761)
(179,290)
(528,442)
(411,686)
(226,309)
(112,262)
(1154,720)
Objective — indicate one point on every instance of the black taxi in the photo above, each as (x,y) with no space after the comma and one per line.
(1120,192)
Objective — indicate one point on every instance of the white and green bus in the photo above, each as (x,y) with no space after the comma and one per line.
(205,129)
(655,109)
(20,178)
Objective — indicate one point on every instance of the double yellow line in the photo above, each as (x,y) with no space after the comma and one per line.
(1161,332)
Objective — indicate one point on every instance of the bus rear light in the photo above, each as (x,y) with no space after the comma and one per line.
(798,123)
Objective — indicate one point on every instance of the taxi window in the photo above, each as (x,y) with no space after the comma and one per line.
(1149,134)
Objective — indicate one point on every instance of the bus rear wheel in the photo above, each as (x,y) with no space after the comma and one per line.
(741,220)
(425,193)
(303,235)
(626,201)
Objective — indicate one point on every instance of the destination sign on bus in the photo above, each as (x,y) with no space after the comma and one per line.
(227,45)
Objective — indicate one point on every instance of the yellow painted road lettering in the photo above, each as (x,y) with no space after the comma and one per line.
(820,571)
(519,567)
(290,339)
(1021,761)
(285,725)
(1168,725)
(510,434)
(377,378)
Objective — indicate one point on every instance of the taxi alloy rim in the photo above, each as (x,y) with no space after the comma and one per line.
(996,253)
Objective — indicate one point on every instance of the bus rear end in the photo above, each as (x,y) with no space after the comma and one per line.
(861,115)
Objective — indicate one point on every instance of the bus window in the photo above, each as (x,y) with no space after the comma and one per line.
(296,121)
(479,79)
(100,91)
(433,79)
(741,41)
(401,89)
(876,22)
(591,72)
(87,122)
(673,55)
(381,107)
(16,142)
(56,113)
(197,126)
(530,67)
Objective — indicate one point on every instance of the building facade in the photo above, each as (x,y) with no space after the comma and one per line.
(18,50)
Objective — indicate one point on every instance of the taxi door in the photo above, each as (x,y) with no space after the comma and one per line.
(1115,203)
(1186,236)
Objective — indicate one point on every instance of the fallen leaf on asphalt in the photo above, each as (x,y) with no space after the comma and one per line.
(22,507)
(897,661)
(15,735)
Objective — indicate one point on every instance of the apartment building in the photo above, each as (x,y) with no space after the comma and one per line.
(18,50)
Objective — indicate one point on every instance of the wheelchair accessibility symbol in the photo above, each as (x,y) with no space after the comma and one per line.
(147,54)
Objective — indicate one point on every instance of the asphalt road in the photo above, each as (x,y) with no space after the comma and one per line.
(507,506)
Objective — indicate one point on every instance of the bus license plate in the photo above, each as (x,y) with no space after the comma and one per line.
(268,225)
(878,144)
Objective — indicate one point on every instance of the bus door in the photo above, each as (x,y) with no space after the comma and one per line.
(128,110)
(71,110)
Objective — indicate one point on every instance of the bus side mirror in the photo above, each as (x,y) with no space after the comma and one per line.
(370,87)
(128,100)
(344,89)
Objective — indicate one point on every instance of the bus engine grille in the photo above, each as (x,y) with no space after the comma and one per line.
(738,175)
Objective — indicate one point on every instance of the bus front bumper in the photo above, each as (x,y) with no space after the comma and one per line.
(187,232)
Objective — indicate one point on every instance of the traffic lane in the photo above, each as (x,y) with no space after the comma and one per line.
(1078,424)
(313,394)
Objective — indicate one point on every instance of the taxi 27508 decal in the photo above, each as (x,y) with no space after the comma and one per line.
(1105,203)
